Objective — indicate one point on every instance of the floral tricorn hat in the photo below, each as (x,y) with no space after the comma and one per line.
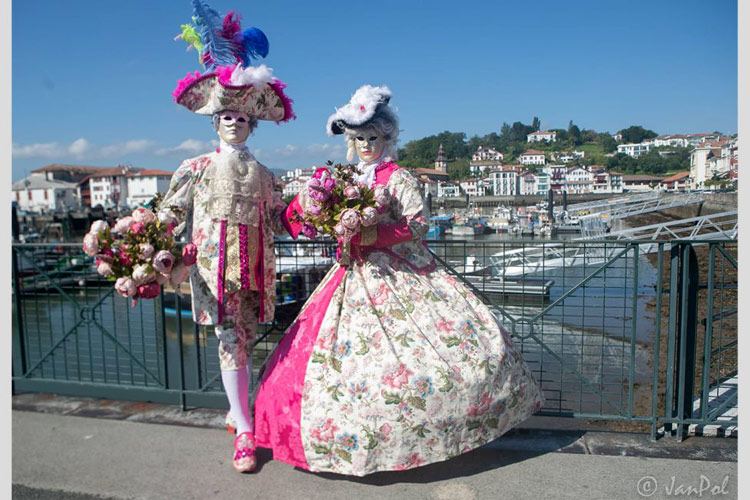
(229,81)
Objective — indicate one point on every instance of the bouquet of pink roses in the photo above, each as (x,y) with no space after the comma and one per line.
(340,206)
(139,253)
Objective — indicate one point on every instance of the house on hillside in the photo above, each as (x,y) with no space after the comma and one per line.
(541,135)
(532,157)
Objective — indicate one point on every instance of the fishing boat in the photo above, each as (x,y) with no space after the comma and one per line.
(439,226)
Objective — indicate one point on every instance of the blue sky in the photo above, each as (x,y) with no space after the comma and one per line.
(92,80)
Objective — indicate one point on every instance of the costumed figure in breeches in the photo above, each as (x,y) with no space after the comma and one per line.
(230,203)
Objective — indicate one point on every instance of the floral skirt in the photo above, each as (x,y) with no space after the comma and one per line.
(389,369)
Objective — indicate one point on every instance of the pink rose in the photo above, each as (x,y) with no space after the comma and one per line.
(90,244)
(147,250)
(369,216)
(143,215)
(179,274)
(142,274)
(122,225)
(104,268)
(125,287)
(351,192)
(350,219)
(162,278)
(339,229)
(313,209)
(137,228)
(123,256)
(148,291)
(321,173)
(98,227)
(309,231)
(385,429)
(329,184)
(189,254)
(163,261)
(105,255)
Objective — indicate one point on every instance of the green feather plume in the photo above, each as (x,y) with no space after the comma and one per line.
(192,37)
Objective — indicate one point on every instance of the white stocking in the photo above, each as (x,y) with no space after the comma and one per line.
(235,385)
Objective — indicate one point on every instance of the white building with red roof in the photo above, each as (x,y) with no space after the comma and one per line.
(109,186)
(532,157)
(676,182)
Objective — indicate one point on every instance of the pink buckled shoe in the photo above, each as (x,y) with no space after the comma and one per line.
(244,453)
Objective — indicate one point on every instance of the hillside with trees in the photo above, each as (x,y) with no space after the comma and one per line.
(600,149)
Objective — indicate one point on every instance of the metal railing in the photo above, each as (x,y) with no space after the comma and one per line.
(610,333)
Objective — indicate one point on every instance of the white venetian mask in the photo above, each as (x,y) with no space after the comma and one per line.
(369,144)
(234,127)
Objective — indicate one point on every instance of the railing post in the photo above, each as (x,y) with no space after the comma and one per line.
(683,334)
(19,347)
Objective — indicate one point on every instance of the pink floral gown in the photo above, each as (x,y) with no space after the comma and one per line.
(391,364)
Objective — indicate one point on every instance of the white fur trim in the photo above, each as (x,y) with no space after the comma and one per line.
(361,107)
(252,75)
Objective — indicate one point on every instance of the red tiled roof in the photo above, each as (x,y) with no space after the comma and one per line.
(676,177)
(114,171)
(56,167)
(431,171)
(532,152)
(145,173)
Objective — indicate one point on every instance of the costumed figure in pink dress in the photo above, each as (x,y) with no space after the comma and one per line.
(391,363)
(230,203)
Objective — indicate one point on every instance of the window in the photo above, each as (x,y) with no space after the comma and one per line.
(29,195)
(46,194)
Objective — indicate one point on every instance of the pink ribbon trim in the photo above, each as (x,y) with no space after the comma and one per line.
(222,264)
(244,259)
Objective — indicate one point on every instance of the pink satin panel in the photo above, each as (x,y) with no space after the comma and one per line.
(390,234)
(293,228)
(278,404)
(383,172)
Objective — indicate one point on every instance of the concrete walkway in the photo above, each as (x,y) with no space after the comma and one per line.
(62,456)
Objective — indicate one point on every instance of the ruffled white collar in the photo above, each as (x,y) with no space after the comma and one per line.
(228,147)
(367,177)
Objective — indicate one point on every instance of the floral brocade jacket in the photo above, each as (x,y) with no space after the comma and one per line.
(188,192)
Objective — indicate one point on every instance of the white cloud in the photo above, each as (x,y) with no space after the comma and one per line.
(39,150)
(132,146)
(190,146)
(79,147)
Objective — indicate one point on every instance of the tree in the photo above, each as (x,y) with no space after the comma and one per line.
(459,169)
(574,134)
(635,134)
(535,124)
(609,144)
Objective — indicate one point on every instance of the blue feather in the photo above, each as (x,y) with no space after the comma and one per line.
(208,23)
(255,43)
